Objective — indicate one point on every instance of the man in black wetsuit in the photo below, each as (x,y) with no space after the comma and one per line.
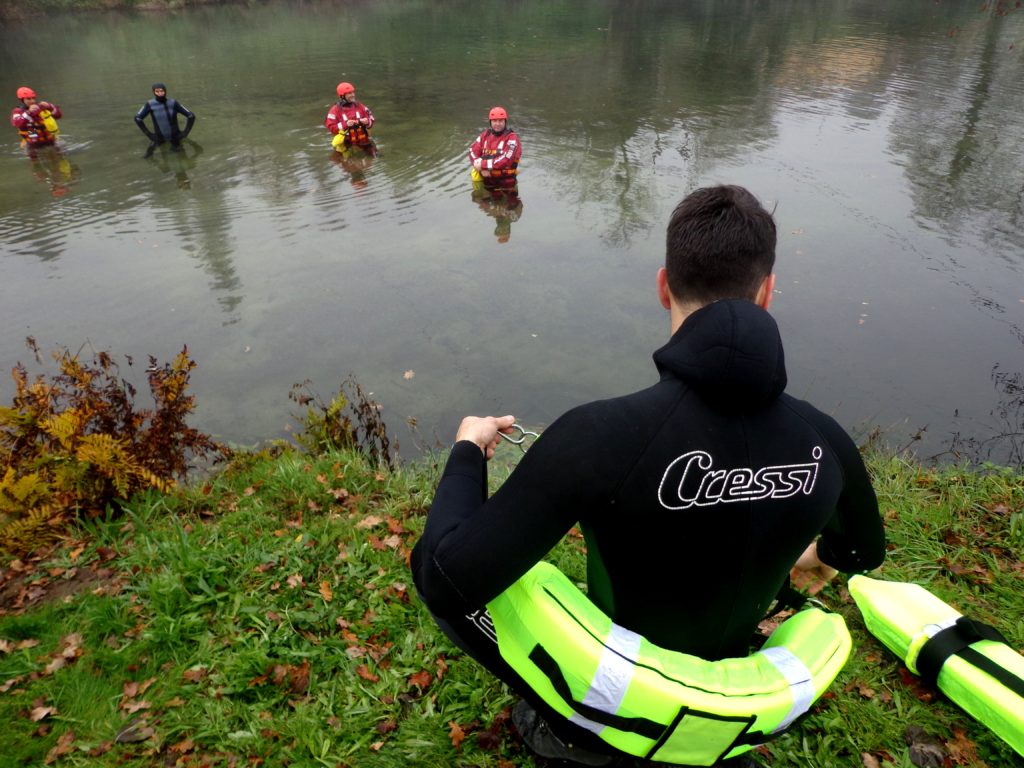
(164,111)
(696,496)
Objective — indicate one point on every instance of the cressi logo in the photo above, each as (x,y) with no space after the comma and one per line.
(691,481)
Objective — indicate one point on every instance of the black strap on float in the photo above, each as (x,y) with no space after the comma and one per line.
(956,640)
(641,725)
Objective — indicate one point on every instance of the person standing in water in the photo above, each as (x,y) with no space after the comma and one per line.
(164,111)
(349,121)
(35,121)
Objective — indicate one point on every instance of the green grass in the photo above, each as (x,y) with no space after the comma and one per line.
(267,617)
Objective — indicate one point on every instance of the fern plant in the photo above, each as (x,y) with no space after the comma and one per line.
(75,442)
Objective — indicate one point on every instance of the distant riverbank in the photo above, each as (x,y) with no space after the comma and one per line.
(25,9)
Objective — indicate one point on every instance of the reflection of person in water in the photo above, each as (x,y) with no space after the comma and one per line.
(179,160)
(355,161)
(52,167)
(504,205)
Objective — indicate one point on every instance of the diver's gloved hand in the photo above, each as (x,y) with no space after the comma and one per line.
(150,149)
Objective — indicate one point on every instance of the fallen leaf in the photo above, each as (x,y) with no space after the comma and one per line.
(62,747)
(386,726)
(376,746)
(364,672)
(131,706)
(369,522)
(962,751)
(38,713)
(186,745)
(421,679)
(325,591)
(295,580)
(456,734)
(195,675)
(869,761)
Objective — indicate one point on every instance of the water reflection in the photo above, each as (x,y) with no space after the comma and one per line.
(355,161)
(54,169)
(503,205)
(176,159)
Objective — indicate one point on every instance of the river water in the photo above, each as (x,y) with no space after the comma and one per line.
(886,135)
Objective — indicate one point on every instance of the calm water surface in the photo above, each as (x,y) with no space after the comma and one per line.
(888,135)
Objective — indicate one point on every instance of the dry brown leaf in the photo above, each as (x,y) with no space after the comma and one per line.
(183,746)
(376,746)
(869,761)
(364,672)
(962,751)
(195,675)
(295,580)
(421,679)
(325,591)
(369,522)
(62,747)
(132,706)
(456,734)
(38,713)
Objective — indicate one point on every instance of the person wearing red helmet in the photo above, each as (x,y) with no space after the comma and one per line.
(496,152)
(350,121)
(35,121)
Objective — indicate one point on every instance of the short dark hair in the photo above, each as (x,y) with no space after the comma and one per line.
(720,245)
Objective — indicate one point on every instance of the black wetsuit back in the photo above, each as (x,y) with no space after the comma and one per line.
(696,495)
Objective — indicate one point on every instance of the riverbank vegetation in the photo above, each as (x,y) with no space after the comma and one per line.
(20,9)
(264,615)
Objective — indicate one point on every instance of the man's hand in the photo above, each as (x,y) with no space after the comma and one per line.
(809,574)
(46,105)
(478,163)
(350,123)
(34,110)
(484,431)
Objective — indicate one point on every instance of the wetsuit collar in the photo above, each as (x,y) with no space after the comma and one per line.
(730,352)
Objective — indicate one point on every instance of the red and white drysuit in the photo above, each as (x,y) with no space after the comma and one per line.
(30,124)
(338,118)
(500,153)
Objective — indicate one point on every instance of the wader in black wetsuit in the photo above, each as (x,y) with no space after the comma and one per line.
(695,496)
(165,113)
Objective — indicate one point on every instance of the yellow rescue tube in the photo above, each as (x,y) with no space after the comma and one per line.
(905,617)
(652,702)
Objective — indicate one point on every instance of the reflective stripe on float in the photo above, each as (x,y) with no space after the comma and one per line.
(969,662)
(651,702)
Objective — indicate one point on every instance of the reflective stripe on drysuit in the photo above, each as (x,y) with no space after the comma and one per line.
(340,114)
(651,702)
(39,131)
(500,153)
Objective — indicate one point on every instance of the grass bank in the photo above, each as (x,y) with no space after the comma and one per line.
(267,617)
(24,9)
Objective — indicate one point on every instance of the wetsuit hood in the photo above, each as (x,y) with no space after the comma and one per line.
(730,352)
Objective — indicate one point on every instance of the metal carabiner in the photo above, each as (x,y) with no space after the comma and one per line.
(521,439)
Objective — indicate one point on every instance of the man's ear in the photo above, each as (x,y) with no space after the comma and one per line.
(766,292)
(664,294)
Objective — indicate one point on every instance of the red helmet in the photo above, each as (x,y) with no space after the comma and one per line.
(344,88)
(498,113)
(26,93)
